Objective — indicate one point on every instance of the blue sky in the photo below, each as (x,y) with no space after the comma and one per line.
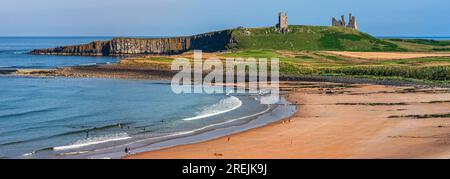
(184,17)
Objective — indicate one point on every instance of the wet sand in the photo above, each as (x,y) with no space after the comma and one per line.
(339,121)
(334,120)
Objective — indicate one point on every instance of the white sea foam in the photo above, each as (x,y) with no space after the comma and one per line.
(88,64)
(213,125)
(181,133)
(223,106)
(75,153)
(19,52)
(94,141)
(28,154)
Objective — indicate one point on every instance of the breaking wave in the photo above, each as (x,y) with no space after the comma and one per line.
(20,52)
(94,141)
(223,106)
(88,64)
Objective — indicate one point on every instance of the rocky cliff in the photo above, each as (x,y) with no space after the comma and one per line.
(209,42)
(299,38)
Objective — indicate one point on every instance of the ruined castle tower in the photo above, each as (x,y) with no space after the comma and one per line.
(352,23)
(282,25)
(342,23)
(335,22)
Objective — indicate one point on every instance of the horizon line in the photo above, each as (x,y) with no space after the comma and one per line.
(155,36)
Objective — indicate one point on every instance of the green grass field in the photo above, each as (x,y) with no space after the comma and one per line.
(317,63)
(320,63)
(310,38)
(421,45)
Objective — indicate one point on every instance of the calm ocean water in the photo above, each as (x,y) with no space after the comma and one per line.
(13,52)
(68,117)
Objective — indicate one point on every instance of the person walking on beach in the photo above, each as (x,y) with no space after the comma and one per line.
(126,150)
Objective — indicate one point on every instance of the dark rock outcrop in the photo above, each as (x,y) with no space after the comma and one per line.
(208,42)
(96,48)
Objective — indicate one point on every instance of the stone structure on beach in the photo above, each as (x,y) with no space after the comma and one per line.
(282,25)
(342,23)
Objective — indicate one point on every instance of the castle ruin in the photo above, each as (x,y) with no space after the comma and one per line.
(342,23)
(282,25)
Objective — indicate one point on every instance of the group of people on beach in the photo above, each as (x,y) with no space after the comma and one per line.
(127,150)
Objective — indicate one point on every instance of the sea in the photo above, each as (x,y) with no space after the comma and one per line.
(57,117)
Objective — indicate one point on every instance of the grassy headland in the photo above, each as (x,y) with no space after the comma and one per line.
(300,63)
(309,38)
(305,50)
(302,51)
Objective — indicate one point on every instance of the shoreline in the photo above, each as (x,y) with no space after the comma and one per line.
(210,132)
(338,121)
(270,116)
(346,129)
(115,71)
(124,71)
(144,142)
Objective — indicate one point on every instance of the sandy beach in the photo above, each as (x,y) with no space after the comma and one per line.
(339,121)
(370,118)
